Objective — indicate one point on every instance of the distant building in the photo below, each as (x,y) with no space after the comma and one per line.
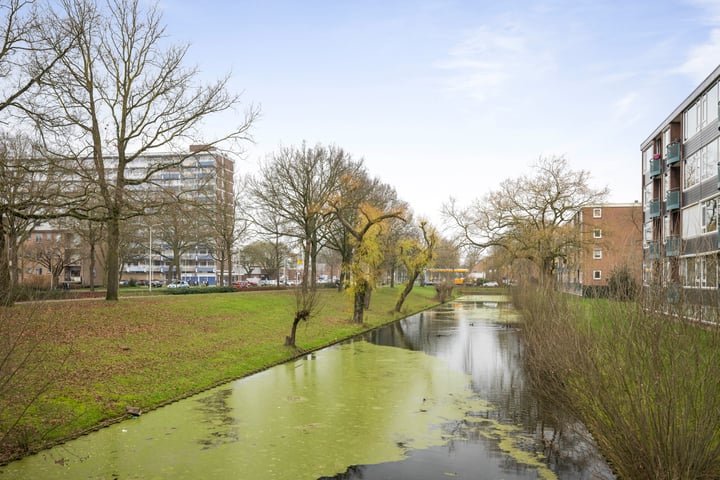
(50,258)
(610,239)
(205,176)
(680,202)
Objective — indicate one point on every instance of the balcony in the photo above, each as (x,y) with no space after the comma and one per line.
(672,154)
(672,246)
(655,167)
(655,207)
(653,251)
(672,200)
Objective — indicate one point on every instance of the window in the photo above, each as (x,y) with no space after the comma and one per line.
(692,170)
(691,121)
(39,271)
(597,274)
(597,212)
(709,216)
(597,253)
(648,157)
(712,101)
(597,233)
(711,268)
(38,237)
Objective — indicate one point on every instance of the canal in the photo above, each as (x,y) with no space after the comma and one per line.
(439,394)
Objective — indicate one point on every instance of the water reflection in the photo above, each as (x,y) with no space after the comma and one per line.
(451,401)
(478,336)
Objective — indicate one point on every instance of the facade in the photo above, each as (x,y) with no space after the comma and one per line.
(203,177)
(206,178)
(681,191)
(610,239)
(50,257)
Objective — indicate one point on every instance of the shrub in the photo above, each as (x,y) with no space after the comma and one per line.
(622,285)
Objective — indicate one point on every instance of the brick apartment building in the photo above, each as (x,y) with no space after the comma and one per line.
(610,236)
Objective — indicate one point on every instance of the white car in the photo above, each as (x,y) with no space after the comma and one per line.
(179,285)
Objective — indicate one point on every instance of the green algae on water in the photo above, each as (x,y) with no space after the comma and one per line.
(357,403)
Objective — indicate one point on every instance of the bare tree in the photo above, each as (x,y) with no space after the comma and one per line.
(121,89)
(25,57)
(55,254)
(295,186)
(226,224)
(266,222)
(529,217)
(307,304)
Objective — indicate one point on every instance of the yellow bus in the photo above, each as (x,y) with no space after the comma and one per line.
(433,276)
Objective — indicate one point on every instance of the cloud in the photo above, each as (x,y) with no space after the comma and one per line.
(485,62)
(702,59)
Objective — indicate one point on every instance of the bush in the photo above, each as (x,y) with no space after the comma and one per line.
(622,285)
(194,291)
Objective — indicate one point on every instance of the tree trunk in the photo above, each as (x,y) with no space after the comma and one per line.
(361,287)
(5,285)
(228,259)
(368,296)
(112,265)
(92,266)
(290,341)
(406,291)
(392,276)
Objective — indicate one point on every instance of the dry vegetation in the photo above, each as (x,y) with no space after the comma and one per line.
(646,385)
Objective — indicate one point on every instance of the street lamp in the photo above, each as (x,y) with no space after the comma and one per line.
(150,260)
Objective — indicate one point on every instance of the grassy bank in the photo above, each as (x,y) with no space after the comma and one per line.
(646,385)
(81,363)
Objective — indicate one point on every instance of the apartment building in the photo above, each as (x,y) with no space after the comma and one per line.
(161,247)
(610,239)
(206,177)
(681,190)
(49,258)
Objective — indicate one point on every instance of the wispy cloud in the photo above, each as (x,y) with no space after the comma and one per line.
(483,63)
(703,58)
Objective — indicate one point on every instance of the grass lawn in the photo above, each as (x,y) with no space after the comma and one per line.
(93,358)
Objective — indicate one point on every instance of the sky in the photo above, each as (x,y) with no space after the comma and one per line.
(448,98)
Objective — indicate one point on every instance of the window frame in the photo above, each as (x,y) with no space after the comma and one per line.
(597,253)
(597,232)
(597,212)
(597,275)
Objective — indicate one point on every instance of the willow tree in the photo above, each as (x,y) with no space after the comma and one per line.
(529,217)
(416,254)
(362,222)
(123,91)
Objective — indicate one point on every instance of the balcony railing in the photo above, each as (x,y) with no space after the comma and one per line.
(653,251)
(672,246)
(672,200)
(672,154)
(655,207)
(655,167)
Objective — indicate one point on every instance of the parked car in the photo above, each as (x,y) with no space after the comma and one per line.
(491,284)
(240,284)
(157,283)
(181,284)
